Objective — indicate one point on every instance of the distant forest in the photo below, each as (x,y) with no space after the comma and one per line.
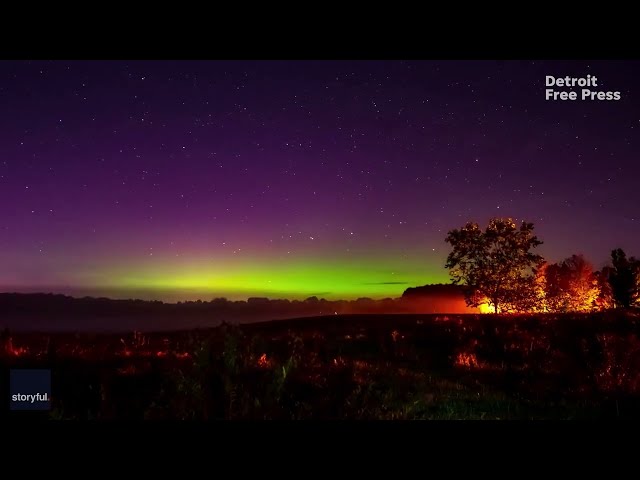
(60,312)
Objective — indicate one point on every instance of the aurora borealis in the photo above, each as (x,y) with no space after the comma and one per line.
(183,179)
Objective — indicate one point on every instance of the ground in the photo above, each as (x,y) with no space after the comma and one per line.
(347,367)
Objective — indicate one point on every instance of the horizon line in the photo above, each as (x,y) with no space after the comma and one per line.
(40,290)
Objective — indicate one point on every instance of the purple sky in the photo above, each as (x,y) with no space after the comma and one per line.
(301,176)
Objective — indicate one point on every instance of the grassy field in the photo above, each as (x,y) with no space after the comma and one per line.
(400,367)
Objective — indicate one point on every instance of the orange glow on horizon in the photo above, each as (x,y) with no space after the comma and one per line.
(485,308)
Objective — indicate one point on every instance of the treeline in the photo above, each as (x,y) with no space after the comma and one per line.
(52,312)
(497,267)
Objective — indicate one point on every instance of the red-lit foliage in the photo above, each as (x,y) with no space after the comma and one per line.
(328,363)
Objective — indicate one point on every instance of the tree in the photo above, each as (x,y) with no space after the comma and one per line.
(624,278)
(604,301)
(570,286)
(525,295)
(496,265)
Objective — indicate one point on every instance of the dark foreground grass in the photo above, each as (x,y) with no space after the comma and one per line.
(396,367)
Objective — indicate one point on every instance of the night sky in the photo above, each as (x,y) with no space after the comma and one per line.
(177,180)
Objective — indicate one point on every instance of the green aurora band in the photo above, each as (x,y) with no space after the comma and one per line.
(335,279)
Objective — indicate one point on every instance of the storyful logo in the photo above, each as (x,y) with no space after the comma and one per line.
(577,88)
